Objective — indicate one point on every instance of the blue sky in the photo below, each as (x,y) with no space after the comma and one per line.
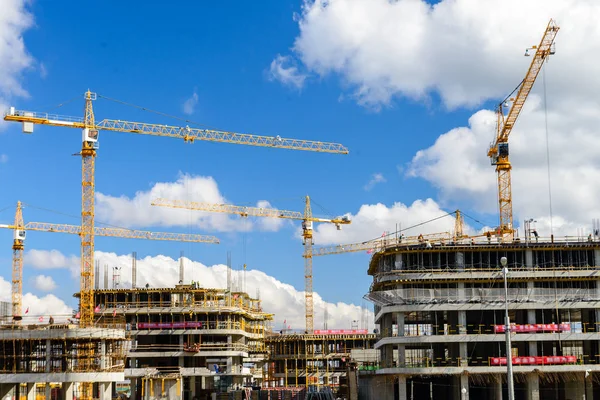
(158,56)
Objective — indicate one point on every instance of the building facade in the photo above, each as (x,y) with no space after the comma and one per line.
(440,308)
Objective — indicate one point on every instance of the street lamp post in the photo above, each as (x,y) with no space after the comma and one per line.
(511,384)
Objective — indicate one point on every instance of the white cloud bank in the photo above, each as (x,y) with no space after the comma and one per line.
(15,19)
(286,302)
(372,220)
(38,306)
(467,52)
(137,211)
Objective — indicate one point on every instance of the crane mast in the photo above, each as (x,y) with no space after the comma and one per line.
(88,159)
(498,151)
(17,264)
(307,236)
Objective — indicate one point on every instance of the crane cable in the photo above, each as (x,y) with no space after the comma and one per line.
(547,151)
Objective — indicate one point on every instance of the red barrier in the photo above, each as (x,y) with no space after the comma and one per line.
(168,325)
(340,331)
(543,360)
(534,328)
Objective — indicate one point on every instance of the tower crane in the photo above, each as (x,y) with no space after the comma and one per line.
(90,132)
(498,151)
(18,247)
(307,233)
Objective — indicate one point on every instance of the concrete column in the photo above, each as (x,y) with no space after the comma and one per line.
(401,356)
(460,261)
(497,388)
(461,291)
(193,386)
(464,384)
(103,355)
(462,322)
(386,325)
(105,391)
(529,258)
(133,388)
(31,391)
(48,355)
(464,355)
(181,342)
(402,388)
(532,344)
(589,389)
(387,355)
(596,257)
(48,391)
(400,321)
(533,387)
(67,391)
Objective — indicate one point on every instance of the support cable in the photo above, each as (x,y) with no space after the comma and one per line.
(547,152)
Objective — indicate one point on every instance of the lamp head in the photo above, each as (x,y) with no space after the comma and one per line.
(503,261)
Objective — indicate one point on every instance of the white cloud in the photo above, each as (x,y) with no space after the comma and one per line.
(38,306)
(277,297)
(15,19)
(43,71)
(189,106)
(375,179)
(138,212)
(3,158)
(44,283)
(461,49)
(372,220)
(50,259)
(457,164)
(285,70)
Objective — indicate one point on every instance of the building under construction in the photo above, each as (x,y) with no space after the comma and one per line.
(441,306)
(189,341)
(86,361)
(318,359)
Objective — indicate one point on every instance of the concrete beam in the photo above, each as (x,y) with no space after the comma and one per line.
(62,334)
(234,332)
(484,306)
(62,377)
(518,369)
(475,338)
(213,353)
(458,275)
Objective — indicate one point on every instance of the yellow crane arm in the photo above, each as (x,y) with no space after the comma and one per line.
(543,50)
(186,133)
(346,248)
(117,232)
(243,210)
(380,244)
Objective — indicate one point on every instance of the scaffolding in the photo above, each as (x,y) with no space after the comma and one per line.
(316,360)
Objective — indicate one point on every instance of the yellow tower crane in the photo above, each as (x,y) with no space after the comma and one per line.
(18,247)
(90,132)
(498,151)
(307,233)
